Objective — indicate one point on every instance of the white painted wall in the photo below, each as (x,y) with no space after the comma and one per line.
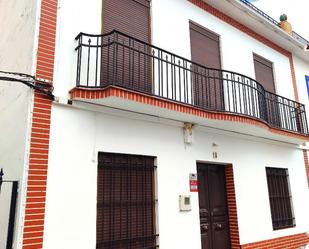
(17,41)
(71,192)
(73,18)
(302,69)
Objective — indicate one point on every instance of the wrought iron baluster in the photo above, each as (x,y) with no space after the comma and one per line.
(116,81)
(139,68)
(133,63)
(146,68)
(244,97)
(79,56)
(96,63)
(108,61)
(167,82)
(153,70)
(162,74)
(88,61)
(228,91)
(123,63)
(179,76)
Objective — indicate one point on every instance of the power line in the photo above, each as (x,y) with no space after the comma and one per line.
(28,80)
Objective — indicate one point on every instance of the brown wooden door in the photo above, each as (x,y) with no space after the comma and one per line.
(207,84)
(213,207)
(126,62)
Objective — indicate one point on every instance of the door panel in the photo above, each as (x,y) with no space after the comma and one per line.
(204,211)
(213,207)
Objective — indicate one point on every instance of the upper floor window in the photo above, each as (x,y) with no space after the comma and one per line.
(264,73)
(280,198)
(207,84)
(126,202)
(128,16)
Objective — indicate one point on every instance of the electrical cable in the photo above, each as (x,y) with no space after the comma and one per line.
(28,80)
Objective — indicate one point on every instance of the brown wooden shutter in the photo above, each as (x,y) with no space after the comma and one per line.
(127,63)
(264,73)
(205,48)
(125,202)
(207,84)
(264,76)
(280,198)
(128,16)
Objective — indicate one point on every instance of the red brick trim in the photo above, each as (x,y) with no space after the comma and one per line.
(305,153)
(293,78)
(93,93)
(232,208)
(39,145)
(287,242)
(253,34)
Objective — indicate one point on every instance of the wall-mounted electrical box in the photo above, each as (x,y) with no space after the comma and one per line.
(184,203)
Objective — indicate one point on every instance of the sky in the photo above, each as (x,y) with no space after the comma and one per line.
(296,10)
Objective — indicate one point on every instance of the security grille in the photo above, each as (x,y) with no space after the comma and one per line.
(126,202)
(280,198)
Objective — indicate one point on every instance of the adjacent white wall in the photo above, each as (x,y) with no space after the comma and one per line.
(18,22)
(302,69)
(71,192)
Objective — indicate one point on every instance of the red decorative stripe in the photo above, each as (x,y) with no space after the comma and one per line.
(231,202)
(38,162)
(305,153)
(293,77)
(287,242)
(84,93)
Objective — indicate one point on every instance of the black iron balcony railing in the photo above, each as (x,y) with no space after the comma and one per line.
(116,59)
(262,13)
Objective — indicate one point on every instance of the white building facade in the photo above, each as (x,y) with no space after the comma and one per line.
(172,124)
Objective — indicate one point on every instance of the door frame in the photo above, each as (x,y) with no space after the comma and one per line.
(231,201)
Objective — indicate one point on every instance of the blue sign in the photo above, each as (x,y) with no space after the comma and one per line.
(307,82)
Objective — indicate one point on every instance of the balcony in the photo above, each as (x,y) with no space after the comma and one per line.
(118,61)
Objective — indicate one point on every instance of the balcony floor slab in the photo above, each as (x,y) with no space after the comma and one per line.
(146,104)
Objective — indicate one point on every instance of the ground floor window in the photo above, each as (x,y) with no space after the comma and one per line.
(280,198)
(126,202)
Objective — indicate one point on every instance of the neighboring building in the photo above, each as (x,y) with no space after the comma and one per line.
(182,126)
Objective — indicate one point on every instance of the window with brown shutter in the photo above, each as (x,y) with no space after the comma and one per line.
(126,202)
(128,16)
(264,73)
(205,48)
(131,17)
(280,198)
(207,85)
